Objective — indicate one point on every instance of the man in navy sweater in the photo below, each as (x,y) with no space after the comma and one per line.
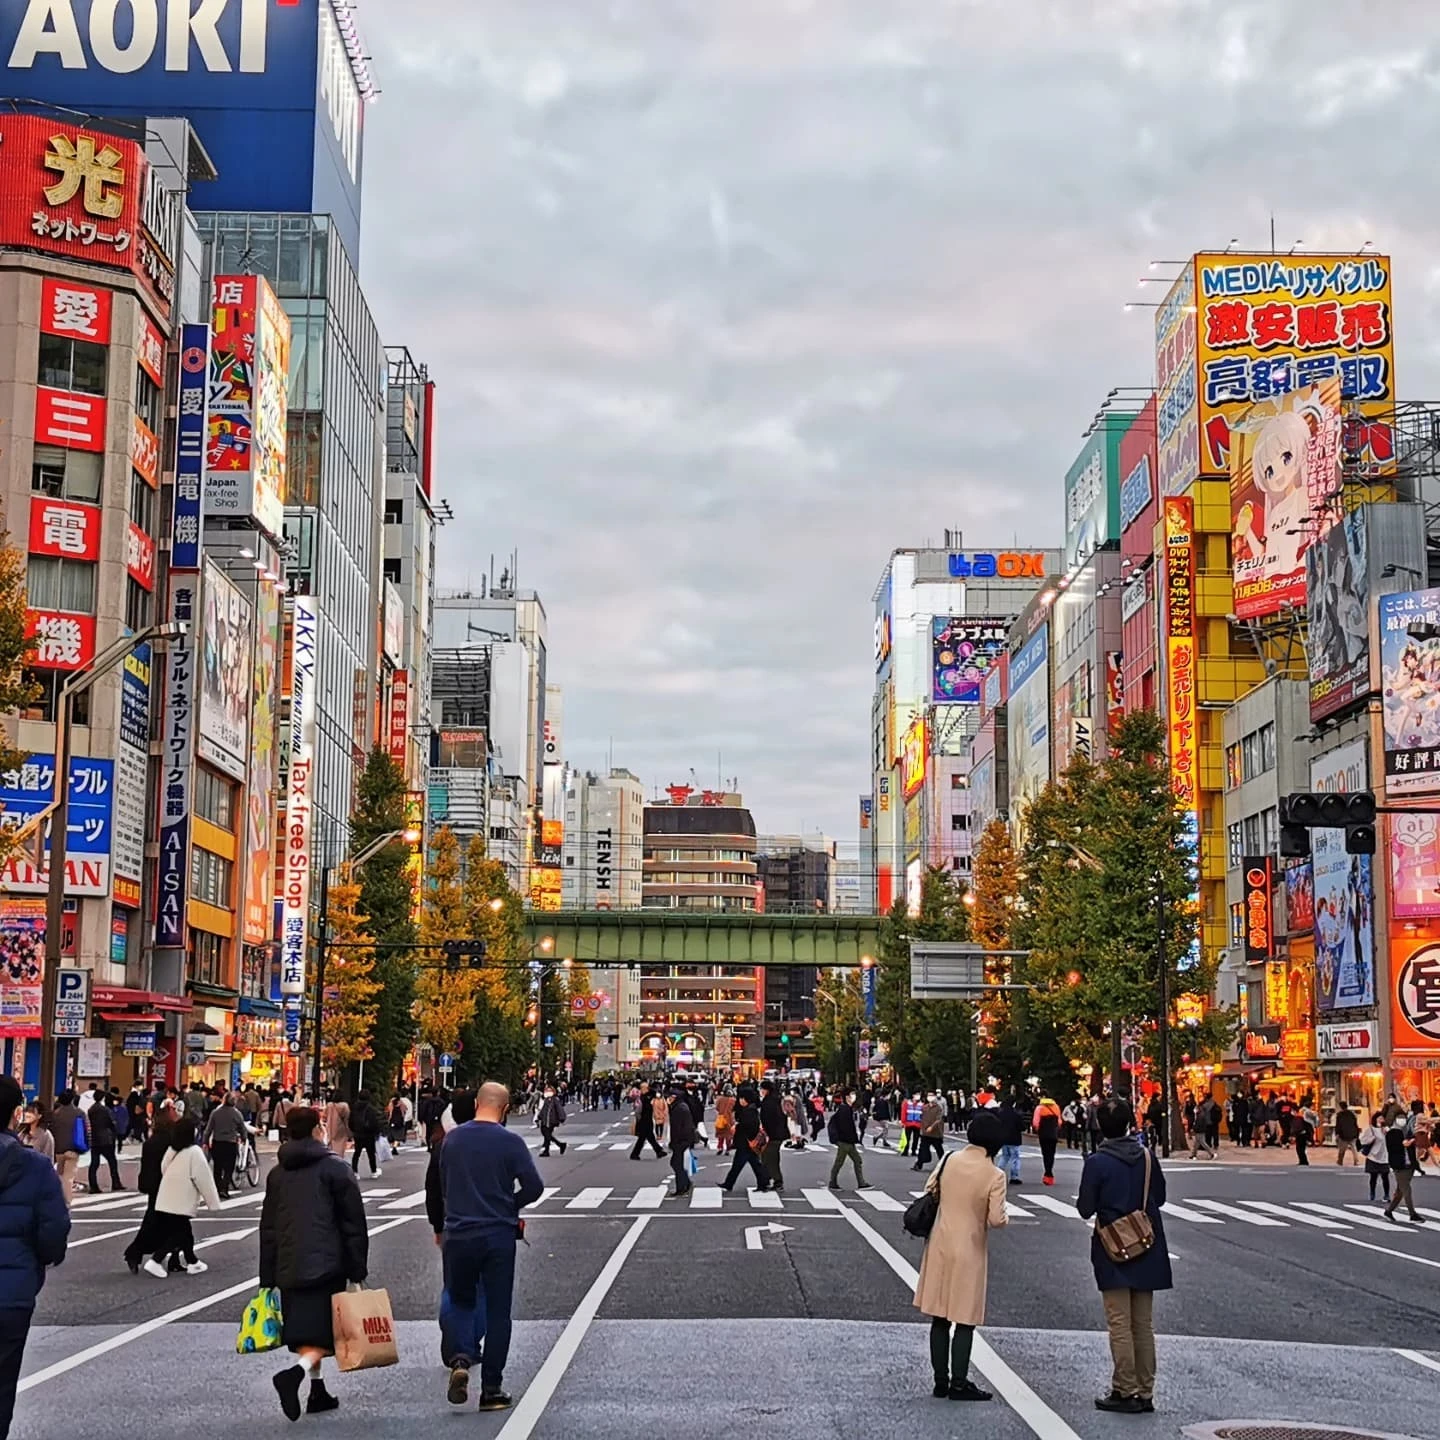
(486,1177)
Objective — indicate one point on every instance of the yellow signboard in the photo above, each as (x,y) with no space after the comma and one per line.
(913,757)
(1277,992)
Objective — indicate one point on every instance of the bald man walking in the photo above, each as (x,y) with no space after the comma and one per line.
(486,1176)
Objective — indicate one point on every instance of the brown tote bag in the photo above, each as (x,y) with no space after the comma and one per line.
(364,1329)
(1131,1235)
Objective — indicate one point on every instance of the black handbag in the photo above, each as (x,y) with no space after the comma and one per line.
(922,1212)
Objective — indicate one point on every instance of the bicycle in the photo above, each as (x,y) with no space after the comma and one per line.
(247,1161)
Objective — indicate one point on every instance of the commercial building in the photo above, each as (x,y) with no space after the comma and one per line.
(942,619)
(604,841)
(617,1023)
(797,877)
(854,886)
(699,857)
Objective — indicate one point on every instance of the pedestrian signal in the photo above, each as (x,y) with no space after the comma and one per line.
(1304,811)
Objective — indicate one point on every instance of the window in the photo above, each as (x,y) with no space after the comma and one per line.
(67,474)
(394,512)
(1267,747)
(1235,852)
(1233,776)
(207,964)
(142,504)
(214,798)
(48,683)
(138,605)
(391,571)
(67,364)
(149,401)
(1250,755)
(1253,835)
(959,822)
(1269,831)
(210,876)
(55,584)
(1237,924)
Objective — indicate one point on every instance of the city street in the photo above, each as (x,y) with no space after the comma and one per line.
(716,1314)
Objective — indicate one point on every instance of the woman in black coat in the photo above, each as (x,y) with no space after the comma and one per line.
(1112,1184)
(313,1242)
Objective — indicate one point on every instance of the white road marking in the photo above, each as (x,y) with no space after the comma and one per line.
(383,1190)
(409,1202)
(538,1394)
(1420,1359)
(96,1239)
(1056,1207)
(1299,1216)
(255,1197)
(822,1199)
(229,1235)
(706,1197)
(123,1202)
(1367,1221)
(1236,1213)
(591,1198)
(1041,1419)
(629,1145)
(648,1197)
(764,1200)
(595,1144)
(879,1200)
(1381,1250)
(754,1234)
(1183,1212)
(547,1193)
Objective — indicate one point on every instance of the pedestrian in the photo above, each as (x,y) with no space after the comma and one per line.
(911,1111)
(224,1131)
(932,1132)
(185,1180)
(1377,1155)
(1417,1131)
(842,1134)
(772,1121)
(337,1123)
(724,1122)
(681,1139)
(749,1143)
(103,1142)
(954,1268)
(152,1153)
(880,1117)
(1067,1125)
(817,1115)
(313,1242)
(1347,1135)
(139,1117)
(694,1097)
(397,1123)
(1197,1121)
(36,1133)
(1302,1131)
(72,1140)
(550,1117)
(34,1227)
(1123,1177)
(646,1124)
(1258,1120)
(1046,1125)
(366,1123)
(1400,1148)
(487,1177)
(1012,1132)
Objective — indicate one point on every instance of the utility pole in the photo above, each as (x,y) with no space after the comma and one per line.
(1164,996)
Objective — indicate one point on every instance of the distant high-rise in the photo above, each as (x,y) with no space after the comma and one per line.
(604,841)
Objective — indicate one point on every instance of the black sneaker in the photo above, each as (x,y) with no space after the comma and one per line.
(458,1391)
(941,1390)
(494,1399)
(1147,1406)
(1120,1404)
(287,1387)
(969,1391)
(320,1400)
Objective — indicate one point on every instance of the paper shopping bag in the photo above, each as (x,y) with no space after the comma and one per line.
(364,1329)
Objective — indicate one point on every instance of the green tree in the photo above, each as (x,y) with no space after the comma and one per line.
(387,899)
(838,1023)
(351,986)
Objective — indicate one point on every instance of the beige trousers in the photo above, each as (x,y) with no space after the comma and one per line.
(1130,1318)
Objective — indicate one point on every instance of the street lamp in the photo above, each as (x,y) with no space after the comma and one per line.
(59,813)
(411,836)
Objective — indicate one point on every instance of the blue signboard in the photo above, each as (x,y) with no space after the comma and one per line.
(867,990)
(192,423)
(268,84)
(26,791)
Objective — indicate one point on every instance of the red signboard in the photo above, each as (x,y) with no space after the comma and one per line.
(63,417)
(398,729)
(145,452)
(140,556)
(1258,874)
(150,349)
(64,529)
(72,191)
(75,311)
(62,641)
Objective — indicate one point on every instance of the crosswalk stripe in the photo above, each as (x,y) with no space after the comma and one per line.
(124,1202)
(1367,1221)
(764,1200)
(236,1201)
(381,1192)
(1428,1214)
(1183,1212)
(707,1197)
(648,1197)
(591,1198)
(1015,1212)
(547,1193)
(822,1199)
(1056,1207)
(879,1200)
(589,1145)
(623,1145)
(1236,1213)
(1320,1222)
(223,1239)
(408,1202)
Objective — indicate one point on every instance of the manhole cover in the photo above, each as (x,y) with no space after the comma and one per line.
(1280,1430)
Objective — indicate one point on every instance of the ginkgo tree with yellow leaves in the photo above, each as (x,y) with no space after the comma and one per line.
(351,989)
(445,995)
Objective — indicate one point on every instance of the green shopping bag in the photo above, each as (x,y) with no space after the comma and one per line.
(260,1325)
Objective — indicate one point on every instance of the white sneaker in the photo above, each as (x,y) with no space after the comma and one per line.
(198,1268)
(378,1174)
(155,1268)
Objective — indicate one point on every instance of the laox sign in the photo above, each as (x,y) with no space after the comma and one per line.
(1007,565)
(50,27)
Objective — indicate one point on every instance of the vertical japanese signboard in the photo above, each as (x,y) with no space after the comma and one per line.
(299,804)
(1177,421)
(177,753)
(1258,875)
(132,759)
(1410,690)
(398,730)
(1180,651)
(261,789)
(191,433)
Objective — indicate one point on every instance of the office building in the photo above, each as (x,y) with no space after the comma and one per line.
(603,841)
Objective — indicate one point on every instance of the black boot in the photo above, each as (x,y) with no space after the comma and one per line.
(320,1399)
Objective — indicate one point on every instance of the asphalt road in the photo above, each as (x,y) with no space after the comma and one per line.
(640,1315)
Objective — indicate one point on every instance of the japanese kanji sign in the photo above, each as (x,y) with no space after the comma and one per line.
(1177,420)
(30,789)
(191,432)
(64,529)
(127,852)
(963,649)
(140,556)
(1415,1015)
(67,418)
(299,801)
(62,641)
(74,311)
(145,452)
(1180,678)
(177,752)
(149,348)
(398,730)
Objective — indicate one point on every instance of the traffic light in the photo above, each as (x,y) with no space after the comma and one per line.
(1302,812)
(784,1039)
(456,950)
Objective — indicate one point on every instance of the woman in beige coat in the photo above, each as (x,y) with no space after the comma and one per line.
(953,1270)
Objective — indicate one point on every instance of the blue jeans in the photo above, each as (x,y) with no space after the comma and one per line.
(479,1274)
(1010,1160)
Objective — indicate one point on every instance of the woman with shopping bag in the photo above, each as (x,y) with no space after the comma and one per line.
(313,1242)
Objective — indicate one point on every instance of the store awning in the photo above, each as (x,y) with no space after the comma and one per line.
(250,1005)
(131,1017)
(118,996)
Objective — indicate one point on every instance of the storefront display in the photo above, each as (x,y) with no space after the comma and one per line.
(259,1049)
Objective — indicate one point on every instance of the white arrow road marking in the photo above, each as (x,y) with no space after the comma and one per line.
(753,1234)
(229,1235)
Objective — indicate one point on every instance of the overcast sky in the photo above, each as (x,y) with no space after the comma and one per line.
(726,299)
